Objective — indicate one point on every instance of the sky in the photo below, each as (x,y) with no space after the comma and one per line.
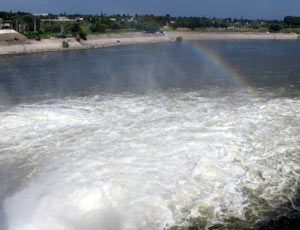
(251,9)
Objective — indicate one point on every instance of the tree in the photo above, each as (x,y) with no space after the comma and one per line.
(98,27)
(174,26)
(115,26)
(82,35)
(54,28)
(75,28)
(148,27)
(290,21)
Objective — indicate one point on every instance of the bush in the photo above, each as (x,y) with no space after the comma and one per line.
(174,26)
(75,28)
(179,39)
(274,28)
(65,44)
(151,27)
(54,28)
(148,27)
(82,35)
(115,26)
(98,28)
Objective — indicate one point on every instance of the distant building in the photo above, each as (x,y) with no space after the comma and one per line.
(63,18)
(131,19)
(42,14)
(237,24)
(4,25)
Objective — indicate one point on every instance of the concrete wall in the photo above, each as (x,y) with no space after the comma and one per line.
(10,35)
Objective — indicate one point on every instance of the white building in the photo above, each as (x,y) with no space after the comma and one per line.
(4,25)
(42,14)
(131,19)
(63,18)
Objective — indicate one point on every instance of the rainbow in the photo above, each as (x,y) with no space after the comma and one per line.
(225,67)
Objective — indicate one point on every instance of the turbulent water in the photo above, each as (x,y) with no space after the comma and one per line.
(148,139)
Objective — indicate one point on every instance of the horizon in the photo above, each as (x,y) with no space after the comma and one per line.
(149,14)
(257,9)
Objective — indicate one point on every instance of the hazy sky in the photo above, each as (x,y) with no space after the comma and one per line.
(267,9)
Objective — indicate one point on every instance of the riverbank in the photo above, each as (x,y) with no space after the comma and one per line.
(93,41)
(100,41)
(232,35)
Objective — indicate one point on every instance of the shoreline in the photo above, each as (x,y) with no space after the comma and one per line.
(107,40)
(232,35)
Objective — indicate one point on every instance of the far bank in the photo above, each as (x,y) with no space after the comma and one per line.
(101,41)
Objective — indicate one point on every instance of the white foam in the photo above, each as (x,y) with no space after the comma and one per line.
(146,162)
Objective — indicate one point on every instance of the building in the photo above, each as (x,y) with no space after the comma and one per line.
(41,15)
(131,19)
(63,18)
(237,24)
(4,25)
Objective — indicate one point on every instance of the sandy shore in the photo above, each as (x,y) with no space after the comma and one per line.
(232,36)
(93,41)
(99,41)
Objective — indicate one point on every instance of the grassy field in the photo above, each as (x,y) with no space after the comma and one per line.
(236,30)
(219,30)
(48,35)
(86,29)
(292,30)
(122,31)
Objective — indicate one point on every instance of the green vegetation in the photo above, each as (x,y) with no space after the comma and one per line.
(65,44)
(86,29)
(179,39)
(82,35)
(232,30)
(98,27)
(290,30)
(148,27)
(80,26)
(274,28)
(122,31)
(292,22)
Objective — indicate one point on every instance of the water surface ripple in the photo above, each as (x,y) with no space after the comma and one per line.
(166,155)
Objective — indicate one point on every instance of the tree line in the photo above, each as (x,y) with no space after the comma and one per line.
(35,26)
(292,22)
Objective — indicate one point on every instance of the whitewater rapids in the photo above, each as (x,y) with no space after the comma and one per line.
(150,161)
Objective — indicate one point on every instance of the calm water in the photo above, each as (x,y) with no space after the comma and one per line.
(150,136)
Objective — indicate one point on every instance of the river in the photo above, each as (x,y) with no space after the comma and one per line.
(202,133)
